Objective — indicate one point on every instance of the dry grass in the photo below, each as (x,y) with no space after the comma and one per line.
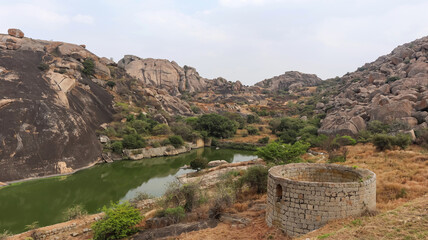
(409,221)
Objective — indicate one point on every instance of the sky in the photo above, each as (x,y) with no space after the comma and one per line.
(246,40)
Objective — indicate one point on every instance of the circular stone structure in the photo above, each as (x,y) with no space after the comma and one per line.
(302,197)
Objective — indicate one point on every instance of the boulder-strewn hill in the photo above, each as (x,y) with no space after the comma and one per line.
(291,80)
(392,88)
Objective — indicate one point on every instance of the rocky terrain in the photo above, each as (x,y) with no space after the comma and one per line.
(51,106)
(392,88)
(49,110)
(289,81)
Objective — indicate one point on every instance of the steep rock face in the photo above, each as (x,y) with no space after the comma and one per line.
(392,88)
(168,75)
(289,81)
(48,118)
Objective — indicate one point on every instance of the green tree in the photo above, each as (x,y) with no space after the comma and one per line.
(176,141)
(88,67)
(117,147)
(217,125)
(280,153)
(133,141)
(119,221)
(199,163)
(161,129)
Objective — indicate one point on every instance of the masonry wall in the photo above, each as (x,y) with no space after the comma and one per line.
(303,197)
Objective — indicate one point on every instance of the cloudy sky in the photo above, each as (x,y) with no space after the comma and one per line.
(246,40)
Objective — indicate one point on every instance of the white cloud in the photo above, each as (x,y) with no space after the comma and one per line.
(242,3)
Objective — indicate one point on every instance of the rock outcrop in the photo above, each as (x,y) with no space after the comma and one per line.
(392,88)
(168,75)
(289,81)
(49,110)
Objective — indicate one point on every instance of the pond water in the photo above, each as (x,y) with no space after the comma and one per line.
(45,200)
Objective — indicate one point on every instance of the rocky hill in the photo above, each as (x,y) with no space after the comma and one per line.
(49,110)
(168,75)
(392,88)
(289,81)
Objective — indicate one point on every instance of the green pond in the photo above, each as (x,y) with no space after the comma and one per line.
(45,200)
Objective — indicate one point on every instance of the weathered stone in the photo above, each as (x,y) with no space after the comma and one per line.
(15,32)
(302,197)
(216,163)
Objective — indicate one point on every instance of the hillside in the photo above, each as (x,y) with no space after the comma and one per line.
(392,88)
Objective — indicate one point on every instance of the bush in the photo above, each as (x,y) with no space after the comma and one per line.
(364,136)
(111,84)
(141,196)
(402,140)
(133,141)
(253,119)
(422,137)
(76,211)
(377,127)
(224,198)
(175,214)
(176,141)
(256,179)
(252,130)
(199,163)
(264,140)
(237,118)
(384,142)
(5,235)
(216,125)
(184,130)
(195,109)
(344,141)
(392,79)
(117,147)
(88,67)
(161,129)
(119,221)
(280,153)
(43,67)
(140,126)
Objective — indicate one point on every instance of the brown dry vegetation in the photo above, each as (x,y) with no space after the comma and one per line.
(402,191)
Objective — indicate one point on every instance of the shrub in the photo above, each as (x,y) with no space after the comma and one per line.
(364,136)
(280,153)
(195,109)
(252,130)
(43,67)
(117,147)
(382,142)
(199,163)
(224,198)
(316,141)
(264,140)
(76,211)
(175,214)
(155,144)
(237,118)
(165,142)
(253,119)
(5,235)
(176,141)
(184,130)
(377,127)
(402,140)
(216,125)
(344,140)
(392,79)
(111,84)
(338,155)
(140,126)
(133,141)
(256,179)
(161,129)
(119,221)
(88,67)
(422,137)
(141,196)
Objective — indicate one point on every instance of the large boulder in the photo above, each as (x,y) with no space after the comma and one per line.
(289,80)
(391,111)
(15,32)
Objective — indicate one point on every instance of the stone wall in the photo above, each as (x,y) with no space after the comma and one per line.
(303,197)
(140,153)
